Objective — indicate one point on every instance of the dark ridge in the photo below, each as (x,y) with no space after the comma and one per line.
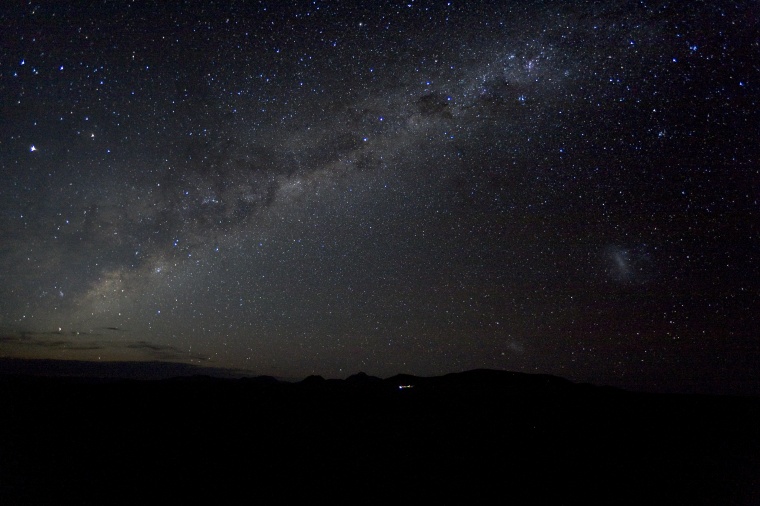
(464,437)
(260,380)
(361,378)
(313,381)
(153,370)
(488,378)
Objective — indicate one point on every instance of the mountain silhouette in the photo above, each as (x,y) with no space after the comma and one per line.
(467,437)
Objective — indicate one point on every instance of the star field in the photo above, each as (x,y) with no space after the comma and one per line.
(422,187)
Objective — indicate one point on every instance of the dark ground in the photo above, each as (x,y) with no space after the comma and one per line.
(475,437)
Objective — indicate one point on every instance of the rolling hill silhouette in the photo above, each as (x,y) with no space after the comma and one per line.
(470,437)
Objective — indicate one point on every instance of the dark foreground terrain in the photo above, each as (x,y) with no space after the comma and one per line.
(475,437)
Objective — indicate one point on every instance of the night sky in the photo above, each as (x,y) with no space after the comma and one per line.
(326,187)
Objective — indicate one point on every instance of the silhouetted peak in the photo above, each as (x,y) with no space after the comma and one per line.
(262,380)
(362,378)
(313,380)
